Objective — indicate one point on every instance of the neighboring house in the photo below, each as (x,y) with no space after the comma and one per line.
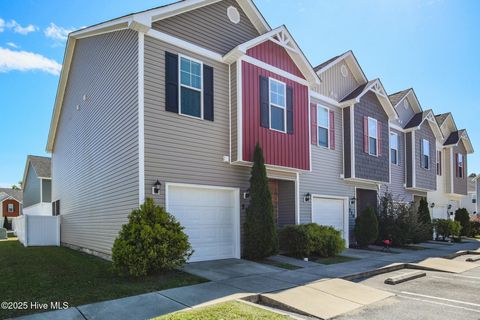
(469,201)
(37,186)
(182,93)
(451,168)
(10,204)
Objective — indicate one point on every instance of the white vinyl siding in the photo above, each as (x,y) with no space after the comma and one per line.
(278,103)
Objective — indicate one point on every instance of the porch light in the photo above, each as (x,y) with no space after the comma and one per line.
(352,200)
(449,207)
(156,187)
(246,194)
(432,205)
(307,197)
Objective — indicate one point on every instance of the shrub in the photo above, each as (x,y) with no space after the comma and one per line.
(447,228)
(151,241)
(462,216)
(475,228)
(261,239)
(425,231)
(311,239)
(366,227)
(393,221)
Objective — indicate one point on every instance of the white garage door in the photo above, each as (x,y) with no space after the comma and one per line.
(329,212)
(210,217)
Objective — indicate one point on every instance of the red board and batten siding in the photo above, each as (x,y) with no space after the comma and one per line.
(275,55)
(280,149)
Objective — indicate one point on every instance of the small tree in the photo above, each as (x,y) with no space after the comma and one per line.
(151,241)
(366,227)
(261,239)
(462,216)
(6,225)
(425,222)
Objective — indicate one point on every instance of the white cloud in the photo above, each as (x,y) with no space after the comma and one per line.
(27,61)
(57,33)
(17,28)
(2,25)
(13,45)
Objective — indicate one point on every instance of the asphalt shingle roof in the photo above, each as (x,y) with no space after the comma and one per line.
(417,119)
(453,137)
(42,166)
(358,91)
(396,97)
(17,194)
(323,64)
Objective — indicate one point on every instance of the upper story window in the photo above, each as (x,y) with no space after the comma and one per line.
(394,148)
(372,137)
(425,154)
(278,114)
(11,208)
(460,165)
(439,163)
(323,123)
(190,87)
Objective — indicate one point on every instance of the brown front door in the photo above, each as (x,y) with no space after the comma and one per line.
(273,186)
(365,198)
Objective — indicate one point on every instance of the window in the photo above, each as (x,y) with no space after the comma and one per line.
(11,208)
(425,154)
(394,148)
(323,123)
(460,165)
(439,163)
(190,87)
(372,137)
(277,105)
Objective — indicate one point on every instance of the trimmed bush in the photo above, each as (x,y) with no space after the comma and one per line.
(6,224)
(462,216)
(311,240)
(447,228)
(366,227)
(424,220)
(151,241)
(475,228)
(261,239)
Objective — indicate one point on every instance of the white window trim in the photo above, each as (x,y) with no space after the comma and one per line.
(11,205)
(180,85)
(423,154)
(270,80)
(328,127)
(398,140)
(376,136)
(438,164)
(460,155)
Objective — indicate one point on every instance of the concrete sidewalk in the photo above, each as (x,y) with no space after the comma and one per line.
(233,279)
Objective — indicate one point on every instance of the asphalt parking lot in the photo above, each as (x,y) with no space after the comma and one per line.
(439,295)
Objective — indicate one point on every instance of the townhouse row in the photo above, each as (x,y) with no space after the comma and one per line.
(169,103)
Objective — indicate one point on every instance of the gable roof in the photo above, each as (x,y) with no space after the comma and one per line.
(395,98)
(351,61)
(419,118)
(139,21)
(282,37)
(442,117)
(41,165)
(408,94)
(376,87)
(17,194)
(456,136)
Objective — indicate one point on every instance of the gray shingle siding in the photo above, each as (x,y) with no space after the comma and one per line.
(367,166)
(460,185)
(347,159)
(31,191)
(397,184)
(209,27)
(95,158)
(425,178)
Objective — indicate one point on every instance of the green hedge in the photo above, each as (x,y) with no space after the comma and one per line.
(311,239)
(447,228)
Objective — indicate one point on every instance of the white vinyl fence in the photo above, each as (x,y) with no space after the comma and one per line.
(37,230)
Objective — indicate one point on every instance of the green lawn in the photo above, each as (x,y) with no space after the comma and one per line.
(333,260)
(233,310)
(45,274)
(277,264)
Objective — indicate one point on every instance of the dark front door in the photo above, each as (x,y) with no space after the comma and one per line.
(365,198)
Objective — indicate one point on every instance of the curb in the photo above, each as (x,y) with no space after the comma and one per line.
(405,277)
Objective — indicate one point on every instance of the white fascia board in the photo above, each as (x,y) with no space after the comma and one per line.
(275,70)
(177,8)
(326,99)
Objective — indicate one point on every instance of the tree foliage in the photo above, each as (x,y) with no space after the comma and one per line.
(366,227)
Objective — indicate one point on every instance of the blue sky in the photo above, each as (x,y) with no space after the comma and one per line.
(430,45)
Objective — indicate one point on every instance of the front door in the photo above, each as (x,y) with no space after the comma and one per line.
(366,198)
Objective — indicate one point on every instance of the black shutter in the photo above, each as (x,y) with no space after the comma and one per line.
(171,82)
(207,92)
(264,109)
(289,110)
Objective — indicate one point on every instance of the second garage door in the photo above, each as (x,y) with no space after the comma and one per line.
(329,212)
(211,219)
